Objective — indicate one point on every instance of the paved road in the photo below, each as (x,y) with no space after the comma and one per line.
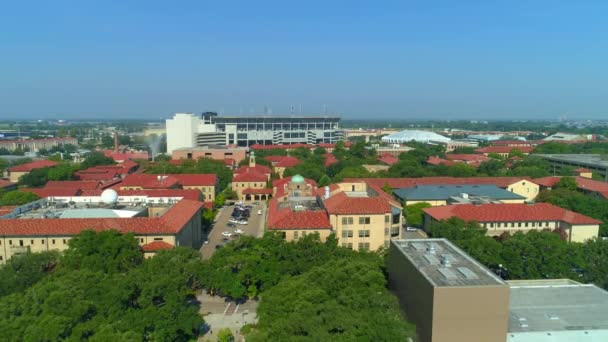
(255,227)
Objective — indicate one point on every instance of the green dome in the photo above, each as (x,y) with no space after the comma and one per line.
(297,179)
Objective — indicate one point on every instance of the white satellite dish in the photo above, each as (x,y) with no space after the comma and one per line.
(109,196)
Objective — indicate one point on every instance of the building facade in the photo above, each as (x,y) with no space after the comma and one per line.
(191,130)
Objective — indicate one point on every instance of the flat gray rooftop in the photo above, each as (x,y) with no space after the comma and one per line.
(592,160)
(444,192)
(444,264)
(565,306)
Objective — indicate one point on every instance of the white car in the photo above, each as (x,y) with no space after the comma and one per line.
(227,234)
(206,242)
(243,222)
(259,212)
(411,229)
(233,220)
(238,231)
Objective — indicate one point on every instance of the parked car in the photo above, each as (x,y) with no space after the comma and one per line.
(233,220)
(243,222)
(411,229)
(260,212)
(227,233)
(238,231)
(231,225)
(206,242)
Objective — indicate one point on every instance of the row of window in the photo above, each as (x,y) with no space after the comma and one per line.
(362,245)
(349,233)
(33,242)
(296,234)
(255,185)
(518,224)
(349,220)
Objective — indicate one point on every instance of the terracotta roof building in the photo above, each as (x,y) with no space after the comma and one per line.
(17,171)
(504,150)
(280,163)
(248,181)
(205,183)
(511,218)
(586,185)
(49,225)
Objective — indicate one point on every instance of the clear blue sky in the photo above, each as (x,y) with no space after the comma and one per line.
(363,59)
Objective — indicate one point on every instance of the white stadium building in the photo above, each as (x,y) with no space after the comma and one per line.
(415,135)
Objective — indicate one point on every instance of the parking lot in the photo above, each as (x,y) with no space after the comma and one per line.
(254,227)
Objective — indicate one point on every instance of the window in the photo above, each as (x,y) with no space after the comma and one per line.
(364,220)
(347,220)
(1,258)
(64,241)
(141,240)
(347,245)
(303,234)
(21,243)
(512,225)
(386,244)
(491,225)
(42,242)
(363,246)
(386,231)
(394,231)
(10,242)
(158,239)
(31,242)
(295,234)
(387,219)
(347,233)
(519,224)
(526,224)
(364,233)
(53,241)
(353,188)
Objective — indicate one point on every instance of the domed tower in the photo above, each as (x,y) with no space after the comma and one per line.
(252,159)
(297,187)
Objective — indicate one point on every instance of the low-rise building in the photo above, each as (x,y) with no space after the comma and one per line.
(216,152)
(15,172)
(588,186)
(362,216)
(513,217)
(504,151)
(35,145)
(49,223)
(595,163)
(250,182)
(456,194)
(451,297)
(454,144)
(518,185)
(280,163)
(207,184)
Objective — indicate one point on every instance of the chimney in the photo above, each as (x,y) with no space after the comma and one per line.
(326,192)
(115,142)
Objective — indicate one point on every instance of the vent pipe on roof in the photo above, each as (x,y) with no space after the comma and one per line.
(445,261)
(464,195)
(326,192)
(431,248)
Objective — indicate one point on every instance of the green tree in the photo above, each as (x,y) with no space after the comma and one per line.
(96,159)
(17,197)
(324,180)
(225,335)
(23,271)
(568,183)
(414,214)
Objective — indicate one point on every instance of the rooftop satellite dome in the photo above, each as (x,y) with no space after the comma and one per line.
(297,179)
(109,196)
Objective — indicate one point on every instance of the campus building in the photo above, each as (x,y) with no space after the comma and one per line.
(207,184)
(362,216)
(595,163)
(451,297)
(280,163)
(456,194)
(15,172)
(49,223)
(35,145)
(583,184)
(216,152)
(191,130)
(518,185)
(514,217)
(504,150)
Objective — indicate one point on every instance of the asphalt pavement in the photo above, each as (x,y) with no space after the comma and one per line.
(255,227)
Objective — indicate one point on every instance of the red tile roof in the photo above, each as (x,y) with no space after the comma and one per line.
(466,157)
(117,156)
(501,182)
(189,194)
(252,191)
(7,209)
(196,179)
(257,168)
(281,146)
(439,161)
(78,185)
(156,246)
(27,167)
(285,218)
(388,159)
(96,174)
(330,159)
(582,170)
(5,184)
(170,223)
(251,176)
(288,162)
(274,159)
(52,192)
(148,181)
(504,149)
(509,212)
(129,164)
(581,182)
(341,204)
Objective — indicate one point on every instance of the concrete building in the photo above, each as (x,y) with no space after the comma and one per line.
(595,163)
(514,217)
(504,151)
(408,135)
(448,295)
(213,152)
(394,150)
(190,130)
(49,223)
(454,144)
(452,297)
(35,145)
(362,216)
(456,194)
